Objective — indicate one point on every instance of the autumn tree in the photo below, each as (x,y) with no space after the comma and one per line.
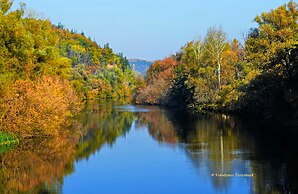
(5,5)
(276,34)
(208,71)
(38,108)
(200,76)
(215,45)
(272,49)
(159,81)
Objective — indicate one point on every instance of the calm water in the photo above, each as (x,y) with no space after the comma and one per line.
(139,149)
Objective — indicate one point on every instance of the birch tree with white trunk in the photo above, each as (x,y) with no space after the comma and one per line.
(215,45)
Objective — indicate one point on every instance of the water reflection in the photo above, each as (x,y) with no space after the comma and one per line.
(101,124)
(37,166)
(211,141)
(230,147)
(40,165)
(214,144)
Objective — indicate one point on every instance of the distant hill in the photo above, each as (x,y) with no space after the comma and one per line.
(140,65)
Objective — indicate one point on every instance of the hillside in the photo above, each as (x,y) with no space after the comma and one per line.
(140,65)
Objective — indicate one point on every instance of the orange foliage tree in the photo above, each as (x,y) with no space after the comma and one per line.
(158,82)
(38,108)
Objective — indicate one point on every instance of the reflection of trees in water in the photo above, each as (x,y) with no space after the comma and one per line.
(219,142)
(101,125)
(218,138)
(225,145)
(39,165)
(211,137)
(159,126)
(275,160)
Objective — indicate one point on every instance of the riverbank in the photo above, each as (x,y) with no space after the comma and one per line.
(257,79)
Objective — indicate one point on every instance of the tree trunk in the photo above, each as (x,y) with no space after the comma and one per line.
(218,75)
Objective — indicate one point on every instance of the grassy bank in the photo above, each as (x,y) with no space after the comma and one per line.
(7,142)
(6,139)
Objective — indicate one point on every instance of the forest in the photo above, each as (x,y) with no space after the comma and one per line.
(47,71)
(258,78)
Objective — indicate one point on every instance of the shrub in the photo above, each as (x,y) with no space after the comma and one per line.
(38,108)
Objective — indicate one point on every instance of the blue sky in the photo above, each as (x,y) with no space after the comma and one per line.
(151,29)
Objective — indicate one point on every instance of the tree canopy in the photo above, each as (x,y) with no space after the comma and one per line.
(259,78)
(47,70)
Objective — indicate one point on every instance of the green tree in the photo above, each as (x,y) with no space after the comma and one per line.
(124,62)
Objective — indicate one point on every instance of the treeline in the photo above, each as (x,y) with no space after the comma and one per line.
(46,71)
(212,73)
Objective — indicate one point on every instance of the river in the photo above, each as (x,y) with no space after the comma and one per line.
(143,149)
